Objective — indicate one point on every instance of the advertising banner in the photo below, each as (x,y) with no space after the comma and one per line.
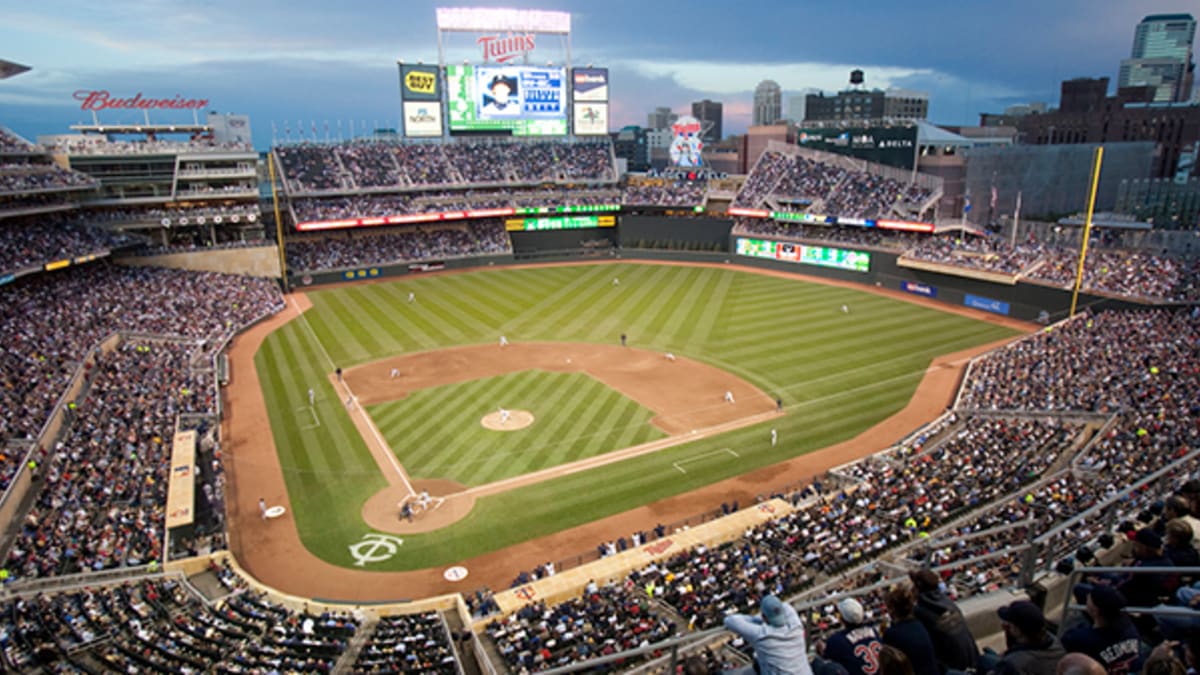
(986,304)
(591,119)
(422,119)
(919,289)
(590,84)
(420,83)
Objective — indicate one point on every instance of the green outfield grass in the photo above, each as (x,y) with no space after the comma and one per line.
(436,432)
(837,374)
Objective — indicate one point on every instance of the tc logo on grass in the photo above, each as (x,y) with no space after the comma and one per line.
(374,547)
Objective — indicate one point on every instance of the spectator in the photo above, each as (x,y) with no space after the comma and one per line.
(1079,664)
(1107,635)
(777,637)
(907,634)
(1032,649)
(854,649)
(953,643)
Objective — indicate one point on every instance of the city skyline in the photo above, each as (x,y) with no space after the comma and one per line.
(303,64)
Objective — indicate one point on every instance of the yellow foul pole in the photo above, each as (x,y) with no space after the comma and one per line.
(1087,226)
(278,221)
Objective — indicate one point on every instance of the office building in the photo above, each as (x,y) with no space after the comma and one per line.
(768,103)
(1162,57)
(709,113)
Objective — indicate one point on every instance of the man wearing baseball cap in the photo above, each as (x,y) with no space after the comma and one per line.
(1109,636)
(1032,650)
(855,647)
(777,638)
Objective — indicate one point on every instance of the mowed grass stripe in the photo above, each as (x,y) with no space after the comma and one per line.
(575,499)
(453,445)
(837,374)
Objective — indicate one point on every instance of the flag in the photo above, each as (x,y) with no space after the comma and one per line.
(993,205)
(966,204)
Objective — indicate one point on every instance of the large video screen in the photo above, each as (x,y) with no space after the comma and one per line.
(516,100)
(823,256)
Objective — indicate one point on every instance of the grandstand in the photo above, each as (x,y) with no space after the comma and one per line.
(1057,446)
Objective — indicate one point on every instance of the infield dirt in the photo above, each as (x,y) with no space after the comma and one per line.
(272,552)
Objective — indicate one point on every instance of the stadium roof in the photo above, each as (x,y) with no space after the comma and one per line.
(932,134)
(9,69)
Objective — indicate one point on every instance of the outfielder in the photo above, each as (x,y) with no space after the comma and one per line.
(774,437)
(312,397)
(411,297)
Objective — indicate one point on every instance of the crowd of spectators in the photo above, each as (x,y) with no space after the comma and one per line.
(30,176)
(408,643)
(977,251)
(1123,272)
(664,192)
(407,243)
(93,145)
(11,144)
(830,190)
(97,506)
(603,620)
(380,205)
(160,625)
(33,241)
(374,165)
(865,237)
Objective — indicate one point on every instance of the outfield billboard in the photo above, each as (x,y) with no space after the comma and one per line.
(422,119)
(821,256)
(591,119)
(589,84)
(892,146)
(513,100)
(420,83)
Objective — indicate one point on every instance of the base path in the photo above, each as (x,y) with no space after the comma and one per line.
(272,551)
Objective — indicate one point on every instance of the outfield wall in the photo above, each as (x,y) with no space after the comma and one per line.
(694,240)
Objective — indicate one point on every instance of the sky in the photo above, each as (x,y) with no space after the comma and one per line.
(305,63)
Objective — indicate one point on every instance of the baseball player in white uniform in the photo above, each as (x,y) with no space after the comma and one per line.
(729,397)
(503,341)
(503,416)
(312,397)
(774,437)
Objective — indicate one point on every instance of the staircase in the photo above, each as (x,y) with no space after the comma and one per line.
(345,664)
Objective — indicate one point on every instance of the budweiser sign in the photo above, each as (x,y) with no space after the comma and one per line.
(102,100)
(505,49)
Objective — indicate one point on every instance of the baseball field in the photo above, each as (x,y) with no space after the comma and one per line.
(591,428)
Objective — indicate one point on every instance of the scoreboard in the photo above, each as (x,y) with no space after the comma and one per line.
(821,256)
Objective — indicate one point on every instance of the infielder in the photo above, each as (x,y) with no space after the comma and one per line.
(262,508)
(729,397)
(670,356)
(503,341)
(395,373)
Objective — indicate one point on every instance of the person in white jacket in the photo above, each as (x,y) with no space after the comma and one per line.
(777,638)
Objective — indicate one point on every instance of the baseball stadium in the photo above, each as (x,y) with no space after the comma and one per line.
(472,396)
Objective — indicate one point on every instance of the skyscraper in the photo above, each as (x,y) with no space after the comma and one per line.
(768,103)
(1162,57)
(709,113)
(661,118)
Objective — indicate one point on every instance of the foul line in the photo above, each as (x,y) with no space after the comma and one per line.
(387,450)
(701,456)
(316,420)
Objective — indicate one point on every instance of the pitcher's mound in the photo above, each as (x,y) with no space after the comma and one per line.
(517,419)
